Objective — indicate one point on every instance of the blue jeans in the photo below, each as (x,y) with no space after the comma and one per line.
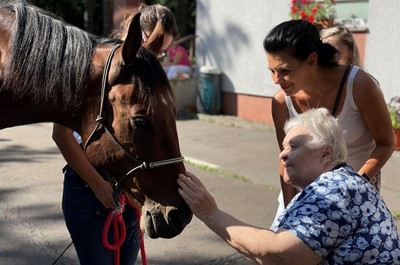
(85,217)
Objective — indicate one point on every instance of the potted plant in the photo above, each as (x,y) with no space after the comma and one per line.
(394,111)
(322,13)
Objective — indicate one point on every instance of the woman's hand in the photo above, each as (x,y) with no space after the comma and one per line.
(200,201)
(104,193)
(78,160)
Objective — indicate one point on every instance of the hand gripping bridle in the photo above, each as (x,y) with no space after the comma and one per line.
(100,121)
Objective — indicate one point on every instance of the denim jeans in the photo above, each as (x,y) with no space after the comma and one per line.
(85,217)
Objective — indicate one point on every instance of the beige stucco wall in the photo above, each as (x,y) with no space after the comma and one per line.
(230,35)
(382,55)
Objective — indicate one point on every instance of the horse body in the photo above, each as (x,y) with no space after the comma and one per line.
(50,72)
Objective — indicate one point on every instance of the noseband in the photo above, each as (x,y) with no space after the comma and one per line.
(100,120)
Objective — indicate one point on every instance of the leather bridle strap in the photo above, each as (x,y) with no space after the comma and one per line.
(100,120)
(151,165)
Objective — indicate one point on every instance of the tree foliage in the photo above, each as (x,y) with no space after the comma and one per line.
(185,14)
(73,12)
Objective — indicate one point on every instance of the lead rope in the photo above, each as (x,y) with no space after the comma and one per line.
(115,216)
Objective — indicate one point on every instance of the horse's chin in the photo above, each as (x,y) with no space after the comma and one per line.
(165,222)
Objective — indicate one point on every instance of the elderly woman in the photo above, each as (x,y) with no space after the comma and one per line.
(338,217)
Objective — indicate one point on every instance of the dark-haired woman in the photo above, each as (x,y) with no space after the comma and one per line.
(309,76)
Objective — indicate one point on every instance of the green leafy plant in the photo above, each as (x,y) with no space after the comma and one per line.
(394,111)
(312,10)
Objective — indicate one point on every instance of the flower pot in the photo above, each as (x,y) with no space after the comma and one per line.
(396,132)
(325,23)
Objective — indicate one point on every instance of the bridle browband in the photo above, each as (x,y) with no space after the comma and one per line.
(100,120)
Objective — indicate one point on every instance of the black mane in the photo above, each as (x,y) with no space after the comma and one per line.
(49,61)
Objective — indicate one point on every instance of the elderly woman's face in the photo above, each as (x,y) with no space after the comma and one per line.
(301,165)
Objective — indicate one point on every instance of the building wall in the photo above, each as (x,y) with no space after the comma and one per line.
(382,55)
(230,35)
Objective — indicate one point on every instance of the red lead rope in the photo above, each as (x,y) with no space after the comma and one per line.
(119,228)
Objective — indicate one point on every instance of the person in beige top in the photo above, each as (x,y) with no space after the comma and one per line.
(309,76)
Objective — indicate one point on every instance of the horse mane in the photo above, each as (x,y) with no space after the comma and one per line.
(49,60)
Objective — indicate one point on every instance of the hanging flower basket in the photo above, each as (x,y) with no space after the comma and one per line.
(324,23)
(321,13)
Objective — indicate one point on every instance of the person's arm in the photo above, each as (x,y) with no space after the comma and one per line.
(77,159)
(260,245)
(280,114)
(371,103)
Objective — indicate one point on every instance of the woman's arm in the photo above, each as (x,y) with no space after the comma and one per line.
(371,103)
(280,114)
(260,245)
(77,159)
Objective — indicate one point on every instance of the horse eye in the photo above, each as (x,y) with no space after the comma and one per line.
(140,122)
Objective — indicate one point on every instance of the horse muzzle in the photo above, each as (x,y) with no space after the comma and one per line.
(165,221)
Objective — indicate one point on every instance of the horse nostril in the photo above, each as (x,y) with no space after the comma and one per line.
(173,216)
(178,217)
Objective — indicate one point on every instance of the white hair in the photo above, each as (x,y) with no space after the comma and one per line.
(325,130)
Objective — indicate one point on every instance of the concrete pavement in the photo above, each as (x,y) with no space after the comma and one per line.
(236,160)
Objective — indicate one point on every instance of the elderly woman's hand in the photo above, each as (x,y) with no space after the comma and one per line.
(200,201)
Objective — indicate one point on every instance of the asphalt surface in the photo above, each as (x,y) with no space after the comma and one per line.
(236,160)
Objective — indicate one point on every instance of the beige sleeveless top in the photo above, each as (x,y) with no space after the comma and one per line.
(359,141)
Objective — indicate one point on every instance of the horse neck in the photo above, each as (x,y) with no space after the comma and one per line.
(27,111)
(24,112)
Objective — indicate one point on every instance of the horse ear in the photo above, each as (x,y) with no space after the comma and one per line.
(156,39)
(133,40)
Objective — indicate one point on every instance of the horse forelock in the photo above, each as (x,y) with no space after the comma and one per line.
(153,84)
(49,61)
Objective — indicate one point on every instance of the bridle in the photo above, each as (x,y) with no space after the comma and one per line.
(100,120)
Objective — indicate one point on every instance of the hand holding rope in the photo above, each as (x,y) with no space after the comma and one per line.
(118,226)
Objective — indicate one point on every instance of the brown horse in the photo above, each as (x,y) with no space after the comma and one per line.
(114,94)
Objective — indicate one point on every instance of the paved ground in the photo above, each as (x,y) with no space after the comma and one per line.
(238,163)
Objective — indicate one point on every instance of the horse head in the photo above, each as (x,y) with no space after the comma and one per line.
(116,96)
(141,151)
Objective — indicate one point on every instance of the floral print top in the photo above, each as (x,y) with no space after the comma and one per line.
(343,219)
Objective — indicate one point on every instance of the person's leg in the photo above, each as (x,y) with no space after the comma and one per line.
(166,69)
(183,69)
(85,218)
(174,70)
(130,248)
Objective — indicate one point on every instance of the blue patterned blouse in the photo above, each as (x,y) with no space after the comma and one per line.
(344,220)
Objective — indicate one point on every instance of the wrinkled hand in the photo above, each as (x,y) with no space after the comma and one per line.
(200,201)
